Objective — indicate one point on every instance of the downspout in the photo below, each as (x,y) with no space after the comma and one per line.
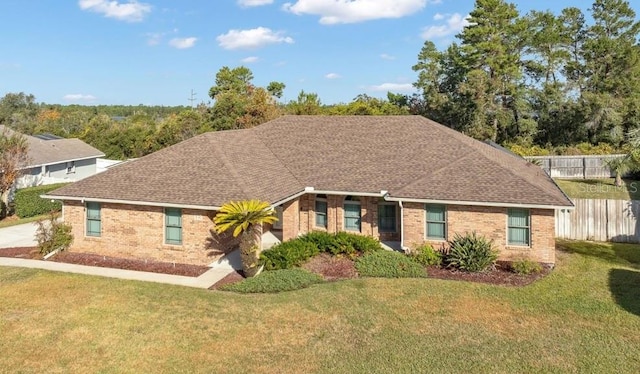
(401,226)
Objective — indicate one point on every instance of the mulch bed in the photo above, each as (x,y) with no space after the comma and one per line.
(234,277)
(130,264)
(109,262)
(21,252)
(501,275)
(331,267)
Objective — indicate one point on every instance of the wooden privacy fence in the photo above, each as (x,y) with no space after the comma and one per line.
(576,167)
(601,220)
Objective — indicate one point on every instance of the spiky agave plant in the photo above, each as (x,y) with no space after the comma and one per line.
(246,219)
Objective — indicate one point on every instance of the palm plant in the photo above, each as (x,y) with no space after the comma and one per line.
(619,166)
(246,219)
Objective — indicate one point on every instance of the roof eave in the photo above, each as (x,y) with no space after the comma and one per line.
(480,203)
(131,202)
(64,161)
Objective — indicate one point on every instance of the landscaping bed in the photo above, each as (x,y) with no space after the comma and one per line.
(501,275)
(109,262)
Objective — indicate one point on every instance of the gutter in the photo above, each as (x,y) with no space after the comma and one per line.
(478,203)
(131,202)
(62,161)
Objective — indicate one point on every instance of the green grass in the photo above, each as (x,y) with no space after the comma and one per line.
(583,317)
(8,223)
(600,189)
(389,264)
(275,281)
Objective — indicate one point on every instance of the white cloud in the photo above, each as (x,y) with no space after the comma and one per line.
(252,39)
(250,3)
(354,11)
(250,60)
(332,76)
(79,97)
(394,87)
(454,24)
(183,43)
(385,56)
(131,11)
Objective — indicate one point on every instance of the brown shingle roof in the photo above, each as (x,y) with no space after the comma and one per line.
(47,152)
(408,156)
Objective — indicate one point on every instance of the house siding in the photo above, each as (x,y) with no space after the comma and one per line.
(57,173)
(490,222)
(132,231)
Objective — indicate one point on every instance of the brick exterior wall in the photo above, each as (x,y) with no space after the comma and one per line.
(490,222)
(134,231)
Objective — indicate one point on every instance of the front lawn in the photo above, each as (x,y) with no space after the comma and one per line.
(583,317)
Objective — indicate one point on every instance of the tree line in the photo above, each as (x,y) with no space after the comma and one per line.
(537,83)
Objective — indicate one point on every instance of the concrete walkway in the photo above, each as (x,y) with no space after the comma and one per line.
(219,269)
(18,236)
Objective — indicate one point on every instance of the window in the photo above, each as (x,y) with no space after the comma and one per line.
(321,211)
(173,226)
(351,213)
(94,219)
(436,222)
(386,217)
(519,227)
(71,167)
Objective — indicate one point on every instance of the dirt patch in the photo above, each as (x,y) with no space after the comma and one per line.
(130,264)
(500,275)
(31,253)
(331,267)
(234,277)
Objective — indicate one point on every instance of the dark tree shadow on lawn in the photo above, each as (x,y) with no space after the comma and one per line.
(625,287)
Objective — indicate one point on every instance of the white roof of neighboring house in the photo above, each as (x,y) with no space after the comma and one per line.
(55,151)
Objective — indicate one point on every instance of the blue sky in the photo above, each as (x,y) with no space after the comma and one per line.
(154,52)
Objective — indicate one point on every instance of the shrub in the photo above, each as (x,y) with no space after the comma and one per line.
(275,281)
(525,267)
(288,254)
(388,264)
(471,253)
(342,243)
(52,235)
(425,255)
(28,202)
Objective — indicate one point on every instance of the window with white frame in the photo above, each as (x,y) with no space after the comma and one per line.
(352,215)
(519,227)
(71,167)
(94,219)
(173,226)
(321,211)
(436,221)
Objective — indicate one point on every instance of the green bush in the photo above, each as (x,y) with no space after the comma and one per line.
(389,264)
(525,267)
(470,253)
(342,243)
(425,255)
(288,254)
(275,281)
(52,235)
(28,202)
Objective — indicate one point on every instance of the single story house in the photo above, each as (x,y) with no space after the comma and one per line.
(53,159)
(402,179)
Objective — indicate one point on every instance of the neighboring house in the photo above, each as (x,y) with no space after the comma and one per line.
(55,160)
(402,179)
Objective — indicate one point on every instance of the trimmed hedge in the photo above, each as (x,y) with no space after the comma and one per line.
(388,264)
(28,202)
(288,254)
(275,281)
(294,252)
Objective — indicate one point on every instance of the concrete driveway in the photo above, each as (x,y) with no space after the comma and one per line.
(18,236)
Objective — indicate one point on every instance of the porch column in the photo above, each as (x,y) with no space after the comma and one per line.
(290,219)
